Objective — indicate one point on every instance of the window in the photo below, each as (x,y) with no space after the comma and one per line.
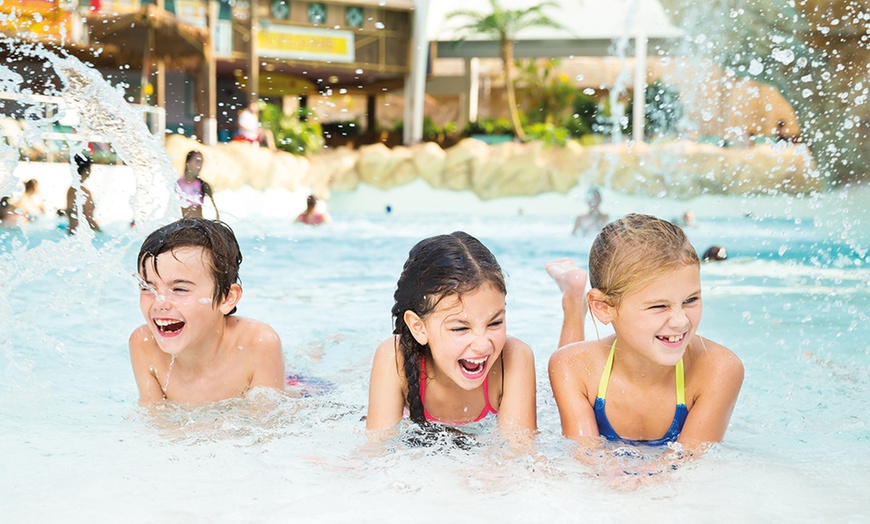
(280,9)
(354,17)
(316,13)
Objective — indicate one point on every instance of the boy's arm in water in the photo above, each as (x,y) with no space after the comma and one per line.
(720,376)
(141,345)
(267,354)
(386,388)
(568,372)
(518,407)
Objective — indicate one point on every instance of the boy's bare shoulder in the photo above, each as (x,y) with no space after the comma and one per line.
(142,340)
(145,354)
(254,333)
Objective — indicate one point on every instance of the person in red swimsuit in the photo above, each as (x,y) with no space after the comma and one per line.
(311,215)
(450,360)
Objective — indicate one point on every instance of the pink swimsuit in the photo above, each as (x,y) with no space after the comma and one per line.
(191,192)
(487,409)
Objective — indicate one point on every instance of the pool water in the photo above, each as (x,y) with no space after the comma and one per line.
(791,300)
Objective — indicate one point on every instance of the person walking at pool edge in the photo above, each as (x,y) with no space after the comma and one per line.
(191,349)
(81,197)
(193,190)
(655,380)
(450,360)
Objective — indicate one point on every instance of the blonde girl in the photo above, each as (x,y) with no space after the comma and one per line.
(655,381)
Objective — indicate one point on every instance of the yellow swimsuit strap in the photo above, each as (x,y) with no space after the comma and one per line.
(681,383)
(608,369)
(605,376)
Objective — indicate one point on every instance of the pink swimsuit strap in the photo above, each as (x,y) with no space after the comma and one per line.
(487,409)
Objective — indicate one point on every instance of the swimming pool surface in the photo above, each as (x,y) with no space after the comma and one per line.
(792,301)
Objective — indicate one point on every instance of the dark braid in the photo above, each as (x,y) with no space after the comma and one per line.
(437,267)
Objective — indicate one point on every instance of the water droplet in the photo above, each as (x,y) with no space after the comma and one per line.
(756,67)
(783,56)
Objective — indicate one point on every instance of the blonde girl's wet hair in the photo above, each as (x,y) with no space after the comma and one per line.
(631,252)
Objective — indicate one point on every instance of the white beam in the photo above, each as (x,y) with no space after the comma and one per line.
(638,108)
(415,85)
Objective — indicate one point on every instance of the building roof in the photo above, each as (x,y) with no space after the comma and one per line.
(590,27)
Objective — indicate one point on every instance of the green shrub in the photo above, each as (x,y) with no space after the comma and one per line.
(548,133)
(295,133)
(582,121)
(489,126)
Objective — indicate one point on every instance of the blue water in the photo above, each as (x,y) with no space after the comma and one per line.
(792,301)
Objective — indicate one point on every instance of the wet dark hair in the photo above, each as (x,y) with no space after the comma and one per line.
(437,267)
(631,252)
(215,238)
(714,254)
(192,153)
(83,163)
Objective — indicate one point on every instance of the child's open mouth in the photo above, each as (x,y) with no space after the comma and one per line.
(473,368)
(168,326)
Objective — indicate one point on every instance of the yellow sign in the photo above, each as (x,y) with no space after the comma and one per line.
(303,43)
(42,18)
(278,84)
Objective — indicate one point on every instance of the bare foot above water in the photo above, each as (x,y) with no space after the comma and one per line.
(570,278)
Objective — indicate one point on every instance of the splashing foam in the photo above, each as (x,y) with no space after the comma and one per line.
(103,111)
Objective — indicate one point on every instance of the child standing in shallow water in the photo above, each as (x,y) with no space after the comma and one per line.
(193,189)
(191,350)
(450,360)
(655,380)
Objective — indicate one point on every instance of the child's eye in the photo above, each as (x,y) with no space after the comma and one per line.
(179,290)
(692,300)
(458,329)
(496,323)
(657,306)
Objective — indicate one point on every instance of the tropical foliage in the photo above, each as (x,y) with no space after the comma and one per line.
(293,133)
(503,25)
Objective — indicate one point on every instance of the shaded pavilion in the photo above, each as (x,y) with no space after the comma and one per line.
(596,29)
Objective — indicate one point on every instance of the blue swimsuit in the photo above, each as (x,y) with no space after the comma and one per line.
(606,430)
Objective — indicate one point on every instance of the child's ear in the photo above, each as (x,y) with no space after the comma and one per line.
(599,307)
(229,302)
(417,327)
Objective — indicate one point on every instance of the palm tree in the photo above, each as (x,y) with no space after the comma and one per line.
(503,25)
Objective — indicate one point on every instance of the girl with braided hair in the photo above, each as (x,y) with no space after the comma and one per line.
(450,360)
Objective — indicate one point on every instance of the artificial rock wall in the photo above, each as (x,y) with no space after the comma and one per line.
(679,169)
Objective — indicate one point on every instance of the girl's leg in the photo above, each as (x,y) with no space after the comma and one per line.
(572,281)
